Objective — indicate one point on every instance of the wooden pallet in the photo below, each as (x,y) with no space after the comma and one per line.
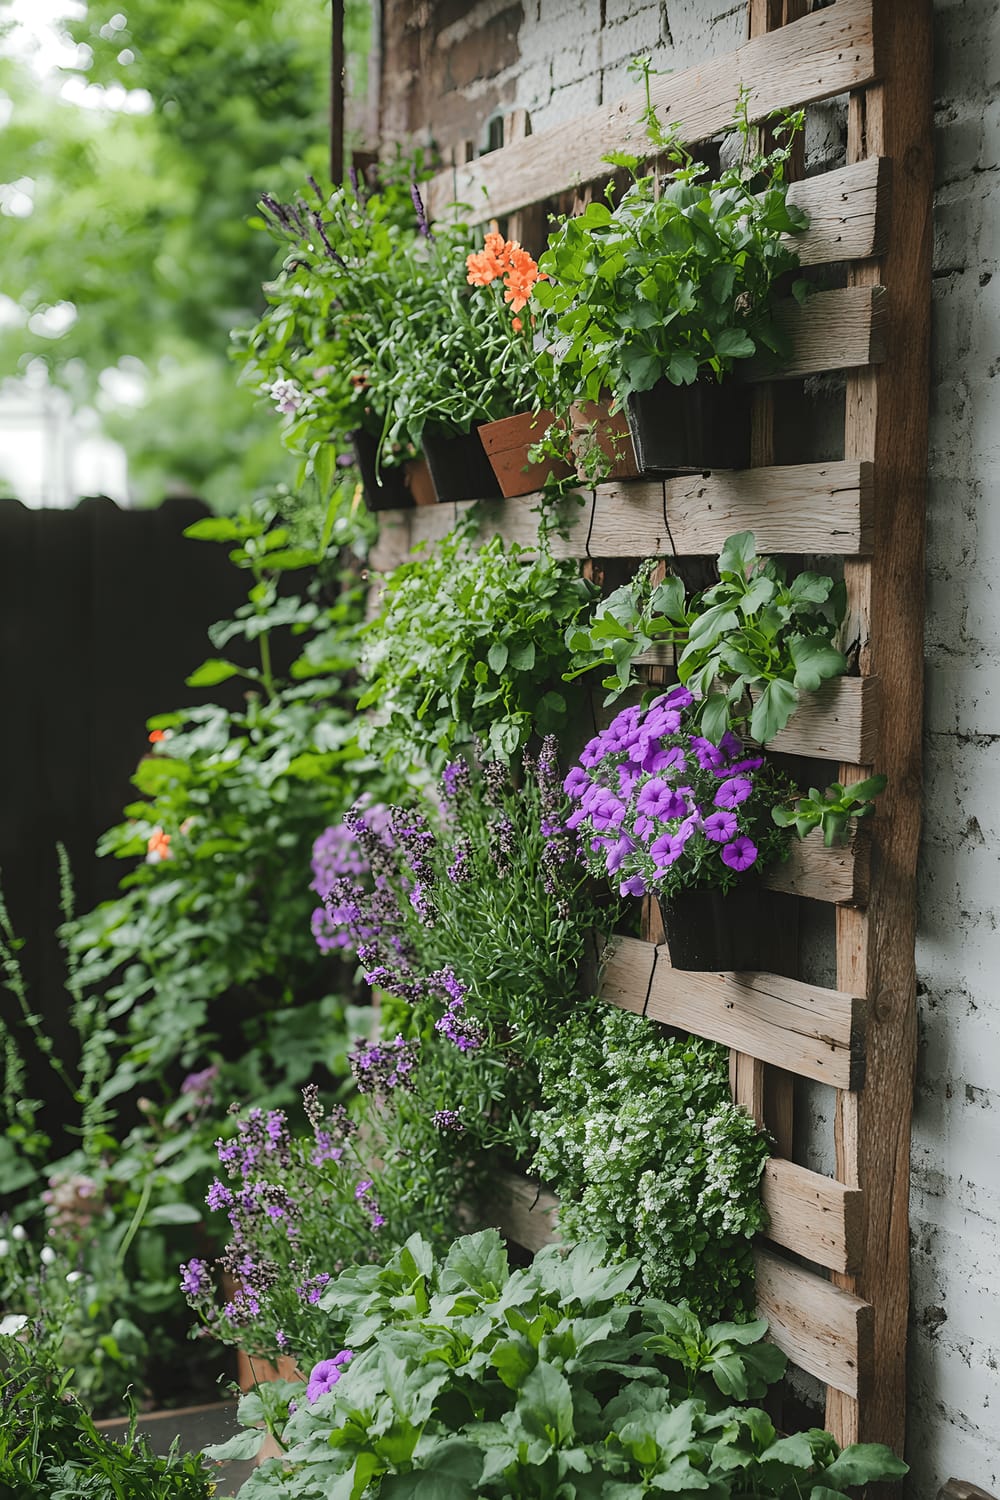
(840,1309)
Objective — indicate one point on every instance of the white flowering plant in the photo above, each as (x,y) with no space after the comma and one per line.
(640,1140)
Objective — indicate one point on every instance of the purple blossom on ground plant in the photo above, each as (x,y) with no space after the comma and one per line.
(324,1376)
(659,809)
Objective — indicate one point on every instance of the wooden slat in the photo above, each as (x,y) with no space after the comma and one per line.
(848,213)
(837,330)
(842,715)
(813,1215)
(810,1031)
(788,1296)
(841,874)
(822,1329)
(524,1211)
(823,508)
(844,712)
(824,54)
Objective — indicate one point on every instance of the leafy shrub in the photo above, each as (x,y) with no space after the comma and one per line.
(461,1378)
(469,645)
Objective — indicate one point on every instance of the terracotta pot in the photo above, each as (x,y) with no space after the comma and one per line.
(251,1371)
(594,426)
(718,930)
(507,443)
(685,429)
(459,467)
(419,482)
(385,488)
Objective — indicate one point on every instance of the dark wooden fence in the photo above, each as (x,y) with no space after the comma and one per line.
(103,612)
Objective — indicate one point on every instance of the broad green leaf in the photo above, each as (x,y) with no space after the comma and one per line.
(478,1261)
(864,1463)
(815,660)
(773,710)
(497,656)
(739,552)
(513,1361)
(546,1404)
(734,343)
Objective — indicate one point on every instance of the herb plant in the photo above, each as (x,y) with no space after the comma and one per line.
(459,1377)
(675,283)
(662,809)
(475,918)
(641,1142)
(50,1448)
(469,644)
(748,645)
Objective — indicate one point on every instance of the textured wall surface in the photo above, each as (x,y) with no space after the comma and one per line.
(449,67)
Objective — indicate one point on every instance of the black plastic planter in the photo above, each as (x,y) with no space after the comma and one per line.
(685,429)
(711,930)
(384,489)
(460,467)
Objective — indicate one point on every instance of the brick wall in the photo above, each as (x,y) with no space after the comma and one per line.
(558,58)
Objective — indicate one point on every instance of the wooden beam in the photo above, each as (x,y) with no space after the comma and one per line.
(844,712)
(815,1216)
(824,508)
(803,1028)
(823,1330)
(824,54)
(887,421)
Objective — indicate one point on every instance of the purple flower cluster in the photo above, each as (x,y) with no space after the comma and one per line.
(381,1067)
(347,859)
(199,1090)
(659,808)
(364,1194)
(457,1028)
(324,1376)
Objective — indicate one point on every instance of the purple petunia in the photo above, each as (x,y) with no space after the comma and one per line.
(720,826)
(324,1376)
(740,854)
(658,799)
(734,791)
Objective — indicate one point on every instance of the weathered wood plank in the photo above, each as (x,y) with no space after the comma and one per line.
(805,1029)
(823,54)
(848,212)
(837,330)
(840,874)
(887,421)
(823,508)
(822,1329)
(813,1215)
(844,712)
(843,716)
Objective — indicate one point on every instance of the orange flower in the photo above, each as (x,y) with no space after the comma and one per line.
(516,324)
(158,846)
(489,263)
(156,735)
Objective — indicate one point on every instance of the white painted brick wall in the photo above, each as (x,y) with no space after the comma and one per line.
(570,63)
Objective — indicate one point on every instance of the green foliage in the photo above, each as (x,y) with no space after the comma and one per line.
(140,219)
(51,1450)
(640,1140)
(469,1379)
(675,283)
(747,646)
(469,644)
(831,810)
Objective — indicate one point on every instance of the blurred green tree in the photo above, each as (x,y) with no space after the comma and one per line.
(128,183)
